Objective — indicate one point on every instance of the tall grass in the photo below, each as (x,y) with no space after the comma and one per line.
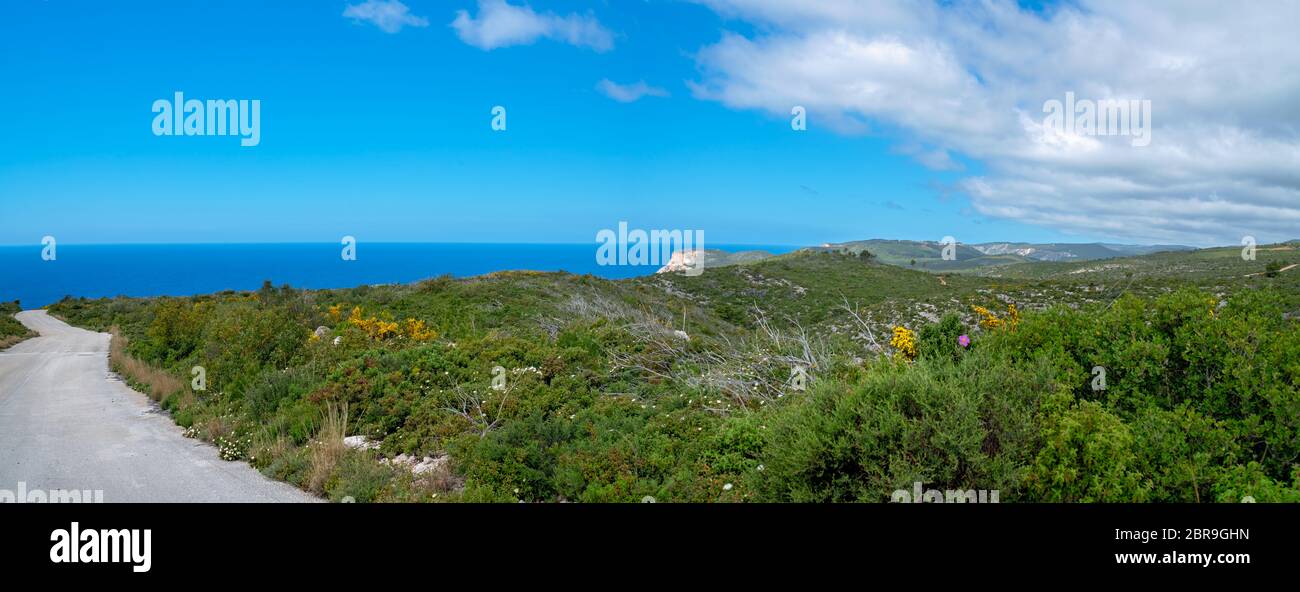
(328,448)
(155,382)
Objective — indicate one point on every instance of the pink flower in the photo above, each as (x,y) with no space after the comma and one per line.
(964,341)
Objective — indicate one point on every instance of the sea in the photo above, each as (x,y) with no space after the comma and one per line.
(97,271)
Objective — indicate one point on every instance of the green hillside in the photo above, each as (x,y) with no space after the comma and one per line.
(923,255)
(820,375)
(1217,270)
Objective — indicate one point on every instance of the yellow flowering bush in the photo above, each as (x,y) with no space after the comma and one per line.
(990,321)
(379,329)
(415,329)
(904,341)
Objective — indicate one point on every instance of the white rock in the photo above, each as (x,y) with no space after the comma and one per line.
(360,443)
(429,464)
(683,260)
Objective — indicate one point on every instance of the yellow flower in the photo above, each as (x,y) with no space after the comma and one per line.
(988,320)
(384,329)
(904,340)
(379,329)
(415,329)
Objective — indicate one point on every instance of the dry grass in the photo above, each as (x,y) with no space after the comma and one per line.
(6,342)
(328,448)
(157,383)
(217,426)
(753,370)
(267,447)
(440,480)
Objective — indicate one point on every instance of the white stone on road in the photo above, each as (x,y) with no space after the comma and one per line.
(67,422)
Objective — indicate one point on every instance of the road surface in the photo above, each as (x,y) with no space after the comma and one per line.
(68,423)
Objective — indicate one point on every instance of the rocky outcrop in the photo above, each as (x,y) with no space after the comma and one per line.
(682,261)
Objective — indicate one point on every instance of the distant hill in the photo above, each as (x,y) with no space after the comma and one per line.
(1073,251)
(928,255)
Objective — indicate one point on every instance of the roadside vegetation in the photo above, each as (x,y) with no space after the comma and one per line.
(805,377)
(12,331)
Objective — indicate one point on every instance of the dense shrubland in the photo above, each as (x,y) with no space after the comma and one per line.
(615,391)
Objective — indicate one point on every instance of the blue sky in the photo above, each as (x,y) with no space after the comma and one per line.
(384,134)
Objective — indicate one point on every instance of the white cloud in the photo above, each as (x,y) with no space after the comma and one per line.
(389,15)
(628,93)
(501,24)
(970,78)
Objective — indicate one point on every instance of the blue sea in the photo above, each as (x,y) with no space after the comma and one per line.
(95,271)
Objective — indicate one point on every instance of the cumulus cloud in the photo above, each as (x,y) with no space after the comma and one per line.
(970,79)
(629,93)
(501,24)
(389,15)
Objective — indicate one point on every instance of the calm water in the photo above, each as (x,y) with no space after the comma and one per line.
(178,270)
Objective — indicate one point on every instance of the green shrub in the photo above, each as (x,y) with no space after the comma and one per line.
(1240,481)
(359,477)
(968,425)
(1087,456)
(939,340)
(294,467)
(273,387)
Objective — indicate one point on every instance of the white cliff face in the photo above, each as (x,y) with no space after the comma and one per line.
(1026,252)
(1004,249)
(682,261)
